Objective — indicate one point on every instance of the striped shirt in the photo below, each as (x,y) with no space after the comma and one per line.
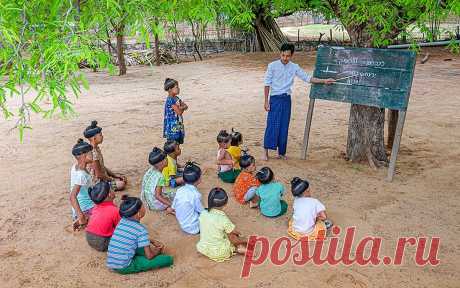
(127,237)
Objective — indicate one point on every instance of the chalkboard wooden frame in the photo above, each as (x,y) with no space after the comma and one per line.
(391,91)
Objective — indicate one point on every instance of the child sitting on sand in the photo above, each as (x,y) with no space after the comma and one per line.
(218,238)
(226,171)
(309,215)
(130,249)
(170,172)
(187,202)
(235,149)
(270,193)
(80,181)
(173,125)
(246,183)
(104,216)
(153,191)
(97,168)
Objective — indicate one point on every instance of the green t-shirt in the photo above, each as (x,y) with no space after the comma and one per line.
(270,198)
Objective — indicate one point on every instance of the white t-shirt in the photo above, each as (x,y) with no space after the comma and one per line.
(306,210)
(83,179)
(187,204)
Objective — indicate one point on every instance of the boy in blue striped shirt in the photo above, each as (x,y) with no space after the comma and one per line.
(130,249)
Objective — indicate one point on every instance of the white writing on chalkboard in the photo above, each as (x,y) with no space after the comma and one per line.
(361,62)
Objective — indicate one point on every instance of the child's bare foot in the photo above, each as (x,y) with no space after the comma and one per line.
(241,249)
(253,205)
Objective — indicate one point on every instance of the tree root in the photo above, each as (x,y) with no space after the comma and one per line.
(374,162)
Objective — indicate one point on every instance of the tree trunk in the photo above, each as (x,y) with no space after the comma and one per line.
(365,135)
(366,124)
(109,42)
(268,34)
(157,49)
(195,39)
(119,30)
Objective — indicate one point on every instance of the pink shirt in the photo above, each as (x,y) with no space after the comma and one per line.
(104,218)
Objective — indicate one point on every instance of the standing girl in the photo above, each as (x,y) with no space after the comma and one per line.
(173,126)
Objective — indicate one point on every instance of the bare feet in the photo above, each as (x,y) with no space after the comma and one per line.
(241,249)
(282,157)
(265,155)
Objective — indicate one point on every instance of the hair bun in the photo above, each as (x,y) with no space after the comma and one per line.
(190,164)
(93,124)
(124,197)
(295,180)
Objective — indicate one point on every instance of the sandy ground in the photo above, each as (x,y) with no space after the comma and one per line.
(37,248)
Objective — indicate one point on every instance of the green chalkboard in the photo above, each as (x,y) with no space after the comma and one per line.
(374,77)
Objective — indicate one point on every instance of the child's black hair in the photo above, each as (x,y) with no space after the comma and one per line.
(170,83)
(246,160)
(223,137)
(192,172)
(217,198)
(92,130)
(170,146)
(156,156)
(287,47)
(265,175)
(129,206)
(237,138)
(99,192)
(81,147)
(299,186)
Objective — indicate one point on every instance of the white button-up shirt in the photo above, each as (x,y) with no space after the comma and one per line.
(187,204)
(280,77)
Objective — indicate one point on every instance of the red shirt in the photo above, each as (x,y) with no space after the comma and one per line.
(104,218)
(243,182)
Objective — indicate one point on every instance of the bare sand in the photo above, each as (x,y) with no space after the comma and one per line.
(37,248)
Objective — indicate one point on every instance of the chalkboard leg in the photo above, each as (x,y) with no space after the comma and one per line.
(397,142)
(306,133)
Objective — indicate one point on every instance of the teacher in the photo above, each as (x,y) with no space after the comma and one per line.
(278,82)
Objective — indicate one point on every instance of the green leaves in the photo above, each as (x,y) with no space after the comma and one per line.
(43,45)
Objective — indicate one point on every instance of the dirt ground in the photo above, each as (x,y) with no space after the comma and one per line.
(37,248)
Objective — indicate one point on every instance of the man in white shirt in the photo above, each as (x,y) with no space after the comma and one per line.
(278,82)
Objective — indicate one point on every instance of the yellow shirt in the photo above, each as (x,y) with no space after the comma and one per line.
(235,152)
(214,242)
(170,170)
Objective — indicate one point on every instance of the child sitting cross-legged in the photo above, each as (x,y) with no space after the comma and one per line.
(309,218)
(270,193)
(80,181)
(153,191)
(187,202)
(219,239)
(235,148)
(226,171)
(246,183)
(171,173)
(130,249)
(104,218)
